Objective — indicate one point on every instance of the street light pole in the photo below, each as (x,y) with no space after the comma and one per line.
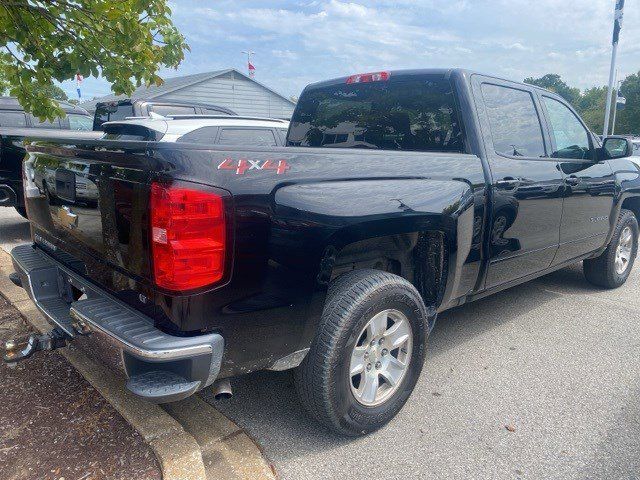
(617,25)
(615,105)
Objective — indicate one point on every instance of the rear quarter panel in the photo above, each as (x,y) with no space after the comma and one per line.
(288,226)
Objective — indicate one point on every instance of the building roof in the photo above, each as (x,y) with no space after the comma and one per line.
(172,84)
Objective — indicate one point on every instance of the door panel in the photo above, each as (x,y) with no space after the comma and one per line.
(589,185)
(526,218)
(527,185)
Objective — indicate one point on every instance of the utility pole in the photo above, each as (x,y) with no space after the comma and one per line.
(617,25)
(251,69)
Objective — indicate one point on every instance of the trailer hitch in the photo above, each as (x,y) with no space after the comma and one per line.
(21,349)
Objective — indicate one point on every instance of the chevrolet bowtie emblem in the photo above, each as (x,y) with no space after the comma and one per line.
(67,217)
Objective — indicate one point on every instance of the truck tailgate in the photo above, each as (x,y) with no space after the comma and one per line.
(83,199)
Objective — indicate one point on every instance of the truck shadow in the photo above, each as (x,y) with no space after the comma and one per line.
(266,404)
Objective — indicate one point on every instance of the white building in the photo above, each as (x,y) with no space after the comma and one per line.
(228,88)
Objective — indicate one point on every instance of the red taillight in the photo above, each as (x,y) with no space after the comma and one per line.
(188,237)
(369,77)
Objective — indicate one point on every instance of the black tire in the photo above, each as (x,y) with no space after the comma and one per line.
(323,381)
(22,211)
(601,271)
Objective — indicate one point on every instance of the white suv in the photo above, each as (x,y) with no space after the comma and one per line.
(204,129)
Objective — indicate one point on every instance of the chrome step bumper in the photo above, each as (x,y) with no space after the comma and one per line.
(187,363)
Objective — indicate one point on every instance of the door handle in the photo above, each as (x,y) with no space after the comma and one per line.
(572,180)
(508,183)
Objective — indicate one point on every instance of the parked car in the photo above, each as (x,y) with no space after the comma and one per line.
(122,109)
(636,146)
(50,177)
(201,129)
(399,195)
(12,115)
(14,125)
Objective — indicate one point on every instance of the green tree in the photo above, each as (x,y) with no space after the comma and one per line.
(553,82)
(628,119)
(4,80)
(591,107)
(124,41)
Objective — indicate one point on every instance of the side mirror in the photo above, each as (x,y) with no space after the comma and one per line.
(617,147)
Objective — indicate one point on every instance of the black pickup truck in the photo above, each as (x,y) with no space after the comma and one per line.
(399,195)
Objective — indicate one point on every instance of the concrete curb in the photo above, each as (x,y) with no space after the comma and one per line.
(191,439)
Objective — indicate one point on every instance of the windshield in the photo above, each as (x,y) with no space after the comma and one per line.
(410,113)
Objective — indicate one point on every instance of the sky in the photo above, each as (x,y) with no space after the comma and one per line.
(300,42)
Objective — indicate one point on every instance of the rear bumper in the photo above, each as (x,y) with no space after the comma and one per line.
(161,367)
(8,196)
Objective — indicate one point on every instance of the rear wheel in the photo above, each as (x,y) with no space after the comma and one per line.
(367,354)
(612,268)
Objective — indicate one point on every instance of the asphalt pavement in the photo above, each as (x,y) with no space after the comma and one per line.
(14,229)
(555,360)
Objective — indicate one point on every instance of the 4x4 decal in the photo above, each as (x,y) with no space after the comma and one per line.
(243,165)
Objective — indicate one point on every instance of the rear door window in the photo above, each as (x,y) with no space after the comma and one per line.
(202,135)
(36,123)
(247,136)
(515,126)
(13,119)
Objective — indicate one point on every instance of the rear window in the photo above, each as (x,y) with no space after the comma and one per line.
(406,113)
(213,111)
(111,112)
(131,132)
(13,119)
(247,136)
(173,110)
(80,122)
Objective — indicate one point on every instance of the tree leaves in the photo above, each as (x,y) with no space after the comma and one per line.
(124,41)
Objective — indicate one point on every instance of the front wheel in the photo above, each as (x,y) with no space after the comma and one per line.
(612,268)
(367,354)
